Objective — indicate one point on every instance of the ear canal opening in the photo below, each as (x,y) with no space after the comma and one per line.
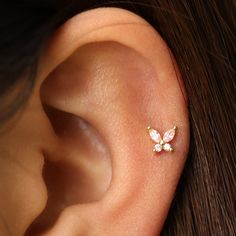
(78,172)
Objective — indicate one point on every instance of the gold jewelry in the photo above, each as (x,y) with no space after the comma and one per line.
(162,143)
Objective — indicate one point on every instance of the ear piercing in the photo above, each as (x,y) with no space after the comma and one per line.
(162,143)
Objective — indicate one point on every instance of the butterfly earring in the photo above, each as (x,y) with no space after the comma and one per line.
(162,143)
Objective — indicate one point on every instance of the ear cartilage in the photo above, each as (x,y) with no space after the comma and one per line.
(162,144)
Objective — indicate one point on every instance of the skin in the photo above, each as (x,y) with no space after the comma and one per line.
(82,136)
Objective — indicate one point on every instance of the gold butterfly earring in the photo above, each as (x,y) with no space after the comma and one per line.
(162,143)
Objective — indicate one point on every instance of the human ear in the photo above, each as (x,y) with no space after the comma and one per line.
(104,77)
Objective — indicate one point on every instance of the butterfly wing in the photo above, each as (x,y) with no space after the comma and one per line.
(154,135)
(169,135)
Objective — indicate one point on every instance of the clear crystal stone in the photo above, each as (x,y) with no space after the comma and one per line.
(169,135)
(158,147)
(167,147)
(155,136)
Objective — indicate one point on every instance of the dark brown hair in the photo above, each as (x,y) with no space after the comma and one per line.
(201,36)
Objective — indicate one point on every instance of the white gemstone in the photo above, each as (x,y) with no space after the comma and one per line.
(158,147)
(155,136)
(167,147)
(169,135)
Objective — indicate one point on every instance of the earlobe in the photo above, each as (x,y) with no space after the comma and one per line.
(111,69)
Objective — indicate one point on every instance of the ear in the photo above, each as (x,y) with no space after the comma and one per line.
(104,77)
